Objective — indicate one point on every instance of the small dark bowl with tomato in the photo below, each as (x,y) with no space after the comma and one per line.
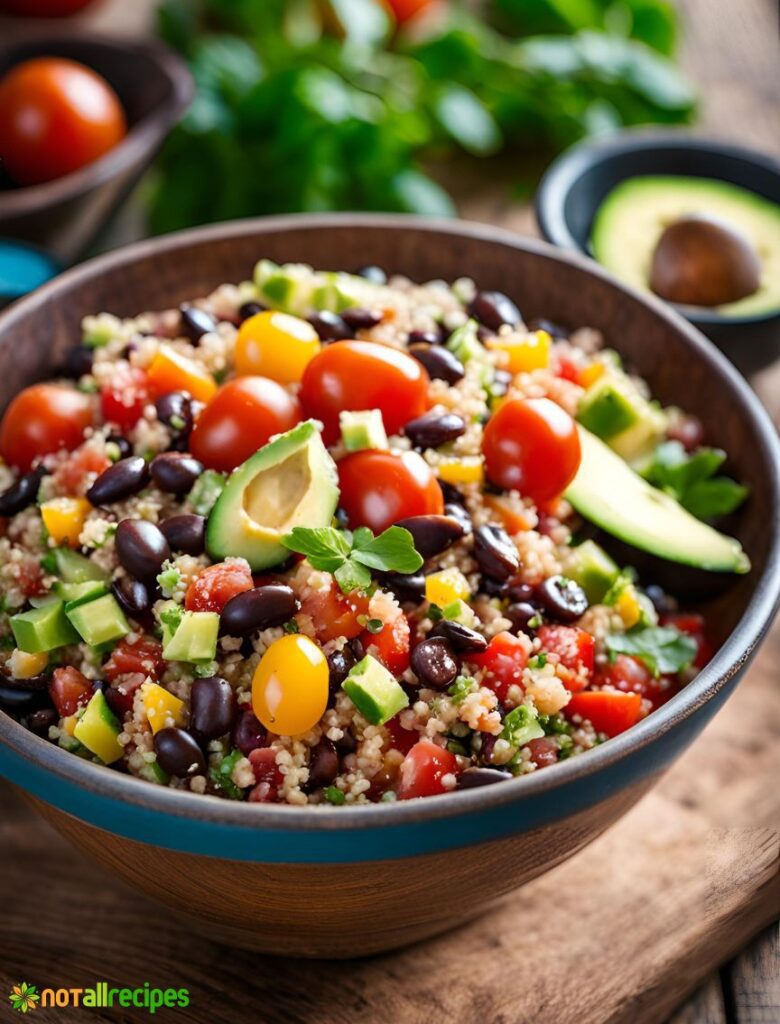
(344,881)
(64,215)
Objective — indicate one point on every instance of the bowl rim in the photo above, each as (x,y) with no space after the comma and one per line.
(735,653)
(141,138)
(563,173)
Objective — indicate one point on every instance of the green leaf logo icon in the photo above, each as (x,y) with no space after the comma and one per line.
(24,997)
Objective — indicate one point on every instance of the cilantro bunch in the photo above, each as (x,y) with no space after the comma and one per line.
(693,480)
(663,649)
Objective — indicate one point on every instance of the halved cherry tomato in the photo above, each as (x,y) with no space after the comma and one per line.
(354,375)
(69,690)
(142,656)
(503,663)
(73,477)
(609,711)
(574,646)
(379,488)
(240,419)
(214,587)
(391,643)
(694,626)
(56,116)
(334,614)
(531,445)
(41,419)
(423,770)
(122,401)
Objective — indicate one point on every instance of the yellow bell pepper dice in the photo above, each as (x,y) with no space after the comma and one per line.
(467,469)
(524,354)
(172,371)
(275,345)
(64,519)
(446,586)
(162,708)
(628,607)
(290,686)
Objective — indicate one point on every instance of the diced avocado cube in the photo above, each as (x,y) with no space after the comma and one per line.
(43,629)
(374,691)
(334,293)
(98,621)
(464,342)
(593,569)
(72,567)
(195,638)
(78,593)
(637,444)
(364,429)
(610,406)
(98,729)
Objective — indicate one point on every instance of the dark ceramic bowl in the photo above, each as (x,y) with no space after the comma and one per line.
(65,215)
(332,881)
(576,184)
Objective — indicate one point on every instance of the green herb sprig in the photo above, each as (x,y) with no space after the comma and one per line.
(692,480)
(664,649)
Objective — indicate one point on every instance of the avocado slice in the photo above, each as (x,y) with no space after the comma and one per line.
(629,224)
(610,494)
(290,482)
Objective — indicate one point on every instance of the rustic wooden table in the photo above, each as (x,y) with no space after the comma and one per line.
(671,895)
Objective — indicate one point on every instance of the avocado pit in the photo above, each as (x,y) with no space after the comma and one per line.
(703,261)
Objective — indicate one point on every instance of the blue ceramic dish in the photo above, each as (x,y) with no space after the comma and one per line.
(270,877)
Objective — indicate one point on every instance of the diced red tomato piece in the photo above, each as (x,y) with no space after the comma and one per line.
(123,400)
(401,739)
(609,711)
(268,778)
(694,626)
(424,769)
(543,751)
(391,643)
(564,365)
(69,690)
(29,577)
(574,646)
(214,587)
(503,663)
(143,656)
(334,614)
(632,676)
(77,472)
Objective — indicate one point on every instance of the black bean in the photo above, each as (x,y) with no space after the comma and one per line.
(405,586)
(196,322)
(564,599)
(77,362)
(17,700)
(141,548)
(249,733)
(132,595)
(186,533)
(553,329)
(212,708)
(178,753)
(126,477)
(261,608)
(339,665)
(41,721)
(494,309)
(520,592)
(22,493)
(450,493)
(330,326)
(432,534)
(175,410)
(361,319)
(425,338)
(175,472)
(464,639)
(323,766)
(347,744)
(521,614)
(40,682)
(440,363)
(121,444)
(373,274)
(250,309)
(459,512)
(434,429)
(495,553)
(434,663)
(473,777)
(663,603)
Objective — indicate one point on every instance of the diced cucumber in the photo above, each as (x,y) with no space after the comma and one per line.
(78,593)
(363,429)
(71,567)
(374,691)
(464,343)
(194,639)
(98,621)
(43,629)
(98,729)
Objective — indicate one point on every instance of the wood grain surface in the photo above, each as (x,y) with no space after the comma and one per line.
(622,933)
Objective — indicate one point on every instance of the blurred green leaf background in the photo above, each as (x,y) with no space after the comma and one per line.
(310,105)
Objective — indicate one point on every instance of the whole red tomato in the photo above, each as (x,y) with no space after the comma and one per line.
(55,116)
(379,488)
(43,8)
(41,419)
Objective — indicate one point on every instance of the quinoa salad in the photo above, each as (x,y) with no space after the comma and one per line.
(330,538)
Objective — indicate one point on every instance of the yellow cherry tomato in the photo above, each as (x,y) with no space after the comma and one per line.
(275,345)
(290,686)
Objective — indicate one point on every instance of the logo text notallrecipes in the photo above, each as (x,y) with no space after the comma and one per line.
(25,997)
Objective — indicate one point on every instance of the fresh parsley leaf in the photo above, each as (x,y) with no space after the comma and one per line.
(325,547)
(691,480)
(391,551)
(663,649)
(351,575)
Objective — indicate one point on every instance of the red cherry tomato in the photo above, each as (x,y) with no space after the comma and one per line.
(391,644)
(55,116)
(69,690)
(423,770)
(354,375)
(609,711)
(41,419)
(122,401)
(692,625)
(334,614)
(632,676)
(503,663)
(76,474)
(43,8)
(379,488)
(214,587)
(143,656)
(239,419)
(531,445)
(405,10)
(574,646)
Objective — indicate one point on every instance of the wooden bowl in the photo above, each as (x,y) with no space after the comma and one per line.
(155,87)
(336,882)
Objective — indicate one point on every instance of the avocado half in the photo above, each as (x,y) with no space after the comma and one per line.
(610,494)
(631,220)
(292,481)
